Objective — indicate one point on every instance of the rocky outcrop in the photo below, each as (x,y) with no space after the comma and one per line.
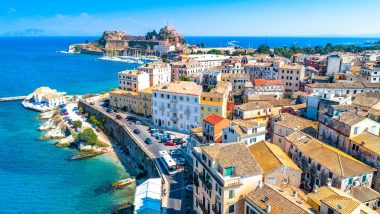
(170,34)
(111,35)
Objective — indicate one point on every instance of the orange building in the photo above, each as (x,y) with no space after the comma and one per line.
(212,127)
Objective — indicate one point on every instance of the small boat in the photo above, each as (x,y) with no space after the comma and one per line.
(123,183)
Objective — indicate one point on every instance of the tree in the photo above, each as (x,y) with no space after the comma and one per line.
(88,136)
(215,51)
(77,124)
(80,110)
(184,78)
(263,49)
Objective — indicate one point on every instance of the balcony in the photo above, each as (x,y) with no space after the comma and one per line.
(174,118)
(233,183)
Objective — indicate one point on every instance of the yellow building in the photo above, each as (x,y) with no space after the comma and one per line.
(214,102)
(135,102)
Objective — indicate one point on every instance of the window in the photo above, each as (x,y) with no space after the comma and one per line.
(356,129)
(317,182)
(309,161)
(231,208)
(350,181)
(330,175)
(319,167)
(231,194)
(330,211)
(364,178)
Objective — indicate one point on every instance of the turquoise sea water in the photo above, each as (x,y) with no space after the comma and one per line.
(36,176)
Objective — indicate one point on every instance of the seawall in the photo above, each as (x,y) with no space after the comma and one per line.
(125,139)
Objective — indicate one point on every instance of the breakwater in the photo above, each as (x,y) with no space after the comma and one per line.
(125,139)
(4,99)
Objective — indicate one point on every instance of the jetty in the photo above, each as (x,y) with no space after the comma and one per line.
(5,99)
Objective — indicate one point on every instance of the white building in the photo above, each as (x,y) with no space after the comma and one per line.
(133,80)
(148,197)
(262,70)
(177,105)
(159,72)
(265,87)
(342,88)
(246,131)
(291,75)
(334,63)
(48,97)
(208,60)
(371,75)
(163,49)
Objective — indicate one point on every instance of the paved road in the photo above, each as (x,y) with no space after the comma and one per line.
(179,199)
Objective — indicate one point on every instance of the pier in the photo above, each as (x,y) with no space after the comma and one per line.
(4,99)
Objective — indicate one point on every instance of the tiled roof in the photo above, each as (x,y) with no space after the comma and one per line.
(332,158)
(281,102)
(180,87)
(279,200)
(264,82)
(350,118)
(292,66)
(364,194)
(234,154)
(254,105)
(213,119)
(241,126)
(348,85)
(368,141)
(367,99)
(294,122)
(271,156)
(131,72)
(123,92)
(341,204)
(146,90)
(235,76)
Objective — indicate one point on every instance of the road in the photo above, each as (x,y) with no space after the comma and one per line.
(178,199)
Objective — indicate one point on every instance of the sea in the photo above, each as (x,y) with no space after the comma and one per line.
(36,176)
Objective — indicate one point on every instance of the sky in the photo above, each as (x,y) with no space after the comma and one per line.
(192,17)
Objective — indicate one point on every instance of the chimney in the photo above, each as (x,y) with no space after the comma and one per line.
(260,184)
(268,208)
(329,182)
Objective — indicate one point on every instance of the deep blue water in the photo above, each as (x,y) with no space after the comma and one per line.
(254,42)
(36,176)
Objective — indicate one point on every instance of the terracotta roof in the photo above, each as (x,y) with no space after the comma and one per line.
(131,72)
(294,122)
(254,105)
(332,158)
(292,66)
(271,156)
(367,99)
(180,87)
(368,141)
(364,194)
(350,118)
(234,154)
(341,204)
(146,90)
(123,92)
(279,200)
(213,119)
(280,102)
(263,82)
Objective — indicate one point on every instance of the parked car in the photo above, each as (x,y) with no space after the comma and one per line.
(118,117)
(115,110)
(98,129)
(109,110)
(180,161)
(148,141)
(169,143)
(136,131)
(175,153)
(153,130)
(92,103)
(164,139)
(189,187)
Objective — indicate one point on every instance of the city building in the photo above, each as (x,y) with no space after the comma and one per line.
(214,102)
(246,131)
(279,170)
(185,69)
(48,97)
(286,124)
(176,105)
(337,129)
(271,199)
(262,70)
(223,175)
(342,88)
(366,196)
(125,100)
(367,101)
(371,75)
(213,125)
(366,148)
(133,80)
(148,197)
(324,165)
(291,75)
(334,63)
(238,81)
(330,200)
(163,48)
(145,102)
(265,87)
(208,60)
(232,66)
(258,110)
(159,72)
